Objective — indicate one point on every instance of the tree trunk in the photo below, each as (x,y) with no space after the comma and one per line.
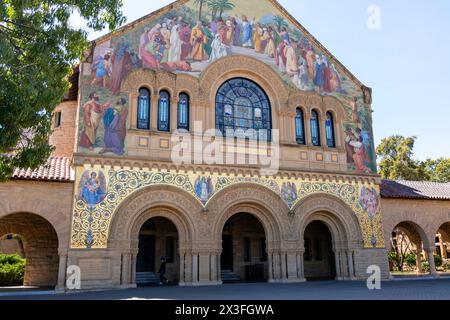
(200,11)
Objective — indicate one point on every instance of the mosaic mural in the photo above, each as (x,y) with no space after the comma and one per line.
(191,35)
(100,194)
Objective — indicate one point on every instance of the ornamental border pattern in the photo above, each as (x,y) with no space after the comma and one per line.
(91,223)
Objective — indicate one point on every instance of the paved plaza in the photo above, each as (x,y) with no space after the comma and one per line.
(322,290)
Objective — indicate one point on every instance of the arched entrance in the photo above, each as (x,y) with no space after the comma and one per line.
(443,247)
(319,260)
(409,250)
(158,240)
(40,246)
(244,254)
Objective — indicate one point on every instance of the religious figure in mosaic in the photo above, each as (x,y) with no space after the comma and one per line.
(203,188)
(369,201)
(92,188)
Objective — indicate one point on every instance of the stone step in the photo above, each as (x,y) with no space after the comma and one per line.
(229,276)
(146,278)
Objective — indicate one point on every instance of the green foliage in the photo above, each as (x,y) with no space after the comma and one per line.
(445,265)
(219,6)
(280,22)
(410,259)
(438,170)
(437,260)
(426,266)
(38,48)
(12,270)
(395,155)
(392,256)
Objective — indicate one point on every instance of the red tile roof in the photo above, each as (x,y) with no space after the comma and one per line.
(56,169)
(415,190)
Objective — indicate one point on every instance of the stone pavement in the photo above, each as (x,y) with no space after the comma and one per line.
(322,290)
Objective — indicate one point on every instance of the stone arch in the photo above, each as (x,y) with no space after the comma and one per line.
(444,230)
(444,240)
(159,200)
(255,199)
(335,213)
(414,232)
(139,78)
(418,237)
(40,246)
(247,67)
(343,225)
(427,226)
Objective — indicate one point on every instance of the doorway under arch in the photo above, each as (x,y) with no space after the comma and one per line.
(319,259)
(158,239)
(408,250)
(40,247)
(244,254)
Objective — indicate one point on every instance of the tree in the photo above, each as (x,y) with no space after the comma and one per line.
(400,249)
(219,6)
(396,162)
(199,3)
(38,49)
(395,159)
(280,22)
(439,169)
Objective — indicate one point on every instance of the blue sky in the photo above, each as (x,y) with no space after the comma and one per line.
(406,62)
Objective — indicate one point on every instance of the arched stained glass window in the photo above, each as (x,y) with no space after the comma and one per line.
(315,128)
(300,127)
(164,111)
(329,128)
(242,105)
(143,112)
(183,112)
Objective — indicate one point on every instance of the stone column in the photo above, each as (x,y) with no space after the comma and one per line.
(195,268)
(133,110)
(125,277)
(188,279)
(277,274)
(301,266)
(182,268)
(270,263)
(62,271)
(213,265)
(154,112)
(337,262)
(433,271)
(133,267)
(174,114)
(419,261)
(350,265)
(284,271)
(204,267)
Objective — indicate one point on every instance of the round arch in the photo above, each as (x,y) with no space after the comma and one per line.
(254,199)
(247,67)
(40,246)
(335,213)
(159,200)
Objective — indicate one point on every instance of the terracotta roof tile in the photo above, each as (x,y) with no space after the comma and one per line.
(56,169)
(415,190)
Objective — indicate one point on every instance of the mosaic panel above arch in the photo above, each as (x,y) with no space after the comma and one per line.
(100,191)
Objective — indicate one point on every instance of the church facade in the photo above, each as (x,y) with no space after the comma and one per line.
(227,141)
